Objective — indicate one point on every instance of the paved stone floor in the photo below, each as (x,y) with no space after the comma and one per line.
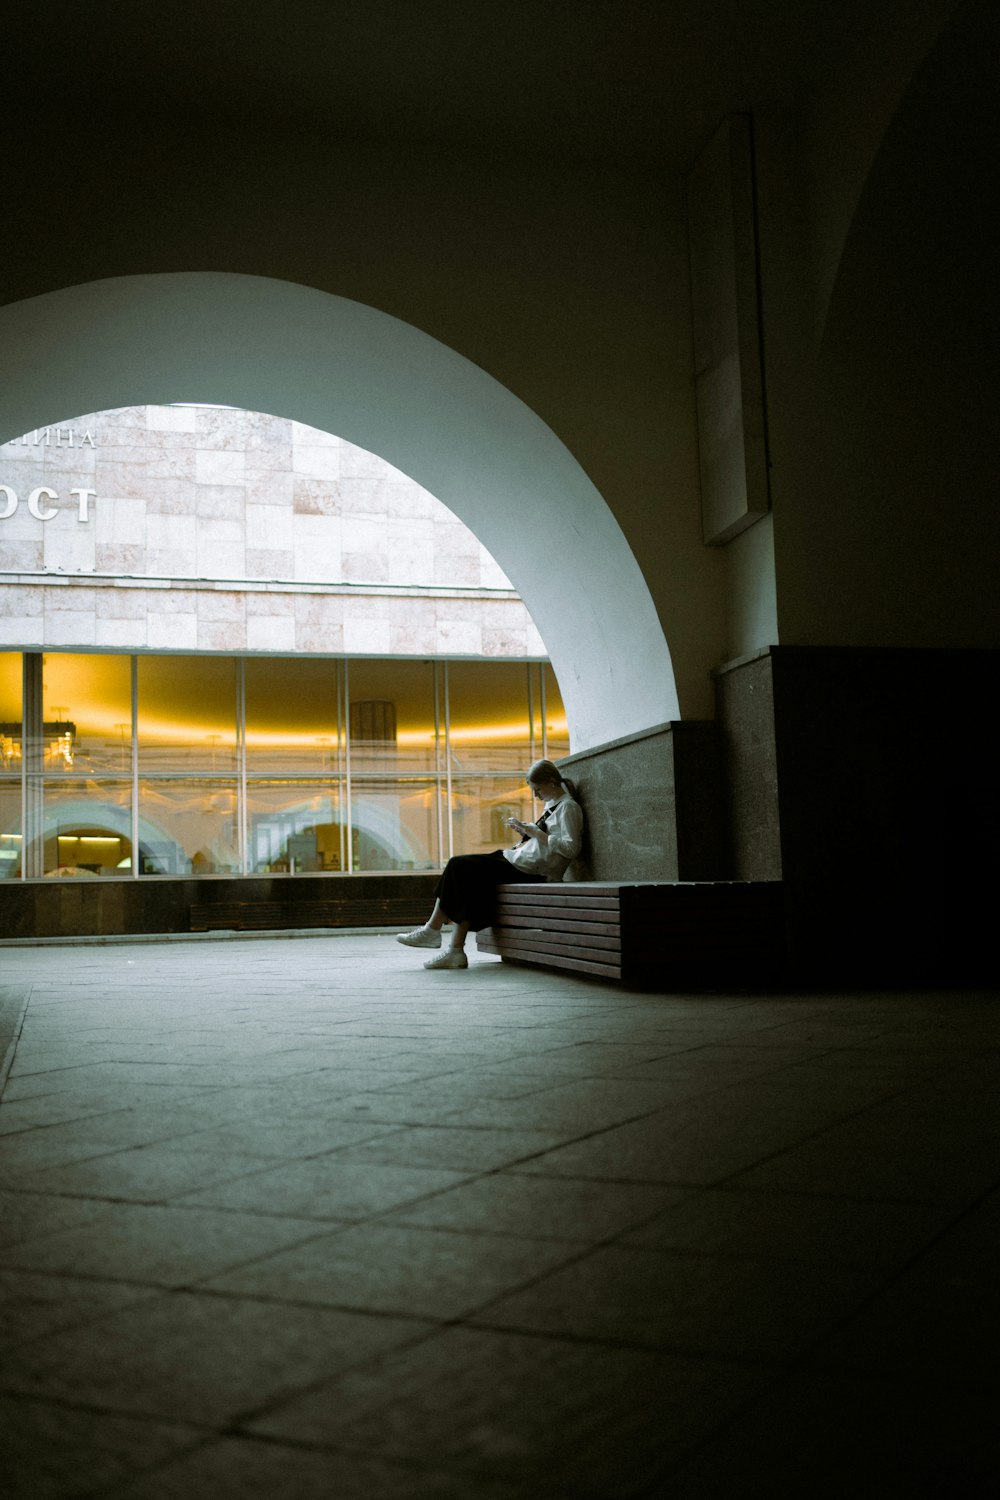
(297,1219)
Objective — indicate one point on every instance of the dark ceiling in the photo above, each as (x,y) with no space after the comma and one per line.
(626,80)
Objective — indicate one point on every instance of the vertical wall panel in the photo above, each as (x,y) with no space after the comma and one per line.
(729,384)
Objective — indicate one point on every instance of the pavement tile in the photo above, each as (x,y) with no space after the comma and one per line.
(155,1245)
(941,1329)
(34,1305)
(141,1174)
(871,1156)
(454,1148)
(52,1451)
(690,1303)
(19,1115)
(582,1105)
(397,1268)
(199,1359)
(523,1409)
(28,1216)
(827,1437)
(540,1208)
(677,1146)
(792,1227)
(272,1138)
(520,1237)
(388,1108)
(253,1469)
(326,1187)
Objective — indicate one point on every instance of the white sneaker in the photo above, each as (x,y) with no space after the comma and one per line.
(451,958)
(420,937)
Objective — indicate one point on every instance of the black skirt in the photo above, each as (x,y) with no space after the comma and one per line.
(467,888)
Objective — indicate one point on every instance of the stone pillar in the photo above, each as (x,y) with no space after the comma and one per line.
(865,779)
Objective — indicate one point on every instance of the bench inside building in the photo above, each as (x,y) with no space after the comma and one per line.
(644,933)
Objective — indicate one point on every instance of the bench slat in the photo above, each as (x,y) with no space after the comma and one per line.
(559,961)
(548,895)
(509,909)
(557,921)
(689,932)
(590,943)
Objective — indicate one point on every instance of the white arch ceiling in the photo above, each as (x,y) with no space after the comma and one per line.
(384,385)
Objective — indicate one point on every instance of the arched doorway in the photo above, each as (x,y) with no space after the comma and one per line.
(342,366)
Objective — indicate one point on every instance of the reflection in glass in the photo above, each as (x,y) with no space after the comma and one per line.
(87,712)
(395,824)
(347,763)
(295,827)
(490,724)
(187,714)
(10,828)
(292,720)
(392,717)
(10,764)
(188,827)
(480,807)
(556,728)
(10,713)
(87,828)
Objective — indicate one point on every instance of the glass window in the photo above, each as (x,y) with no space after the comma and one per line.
(187,714)
(10,764)
(10,828)
(556,728)
(10,713)
(480,807)
(392,717)
(345,763)
(292,716)
(87,828)
(490,723)
(87,713)
(394,739)
(295,827)
(394,823)
(188,827)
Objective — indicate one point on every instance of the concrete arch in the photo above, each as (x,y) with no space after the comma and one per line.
(844,141)
(926,190)
(106,815)
(896,547)
(384,385)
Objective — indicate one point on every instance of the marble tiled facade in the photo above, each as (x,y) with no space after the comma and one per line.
(211,529)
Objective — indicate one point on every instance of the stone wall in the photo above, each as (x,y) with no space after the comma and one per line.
(209,529)
(654,806)
(865,780)
(744,698)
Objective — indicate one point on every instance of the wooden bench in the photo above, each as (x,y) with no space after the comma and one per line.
(646,932)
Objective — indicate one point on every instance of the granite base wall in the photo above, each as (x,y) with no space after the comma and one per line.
(744,700)
(654,804)
(99,908)
(866,781)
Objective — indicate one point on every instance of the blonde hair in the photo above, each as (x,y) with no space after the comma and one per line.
(547,772)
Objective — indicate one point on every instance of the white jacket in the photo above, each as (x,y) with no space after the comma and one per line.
(550,852)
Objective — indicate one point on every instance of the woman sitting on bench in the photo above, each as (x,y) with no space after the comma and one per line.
(466,892)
